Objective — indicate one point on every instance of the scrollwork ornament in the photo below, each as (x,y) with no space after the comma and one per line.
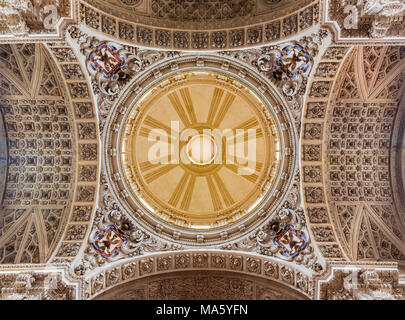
(362,283)
(384,12)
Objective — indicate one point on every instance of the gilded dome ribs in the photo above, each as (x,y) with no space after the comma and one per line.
(184,115)
(175,198)
(145,143)
(188,193)
(248,124)
(234,168)
(156,124)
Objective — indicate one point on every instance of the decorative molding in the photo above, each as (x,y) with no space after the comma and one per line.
(106,55)
(264,240)
(139,242)
(88,150)
(41,128)
(266,61)
(347,130)
(315,112)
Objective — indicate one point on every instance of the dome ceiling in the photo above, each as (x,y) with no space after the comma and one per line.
(201,151)
(198,174)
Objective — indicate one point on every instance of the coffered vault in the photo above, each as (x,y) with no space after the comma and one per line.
(84,215)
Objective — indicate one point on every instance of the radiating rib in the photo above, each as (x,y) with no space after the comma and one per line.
(185,204)
(234,168)
(251,123)
(152,122)
(259,134)
(162,170)
(155,124)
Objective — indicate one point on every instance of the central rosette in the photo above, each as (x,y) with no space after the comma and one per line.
(200,150)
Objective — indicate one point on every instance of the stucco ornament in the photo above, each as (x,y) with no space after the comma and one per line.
(109,64)
(289,66)
(362,283)
(28,285)
(284,237)
(138,241)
